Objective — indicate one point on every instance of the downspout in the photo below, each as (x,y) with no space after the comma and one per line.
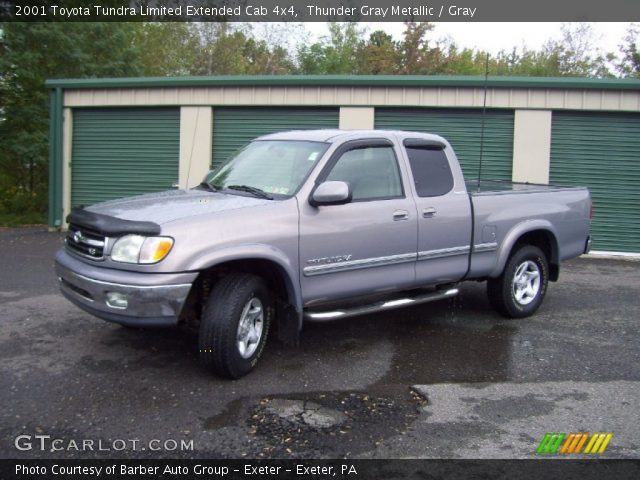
(55,159)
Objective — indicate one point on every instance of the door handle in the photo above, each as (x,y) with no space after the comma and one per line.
(429,212)
(400,215)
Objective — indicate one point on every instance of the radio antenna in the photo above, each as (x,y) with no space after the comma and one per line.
(484,111)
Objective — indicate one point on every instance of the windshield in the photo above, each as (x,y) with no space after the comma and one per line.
(276,167)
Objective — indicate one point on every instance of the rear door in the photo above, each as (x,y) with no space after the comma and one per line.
(365,246)
(444,215)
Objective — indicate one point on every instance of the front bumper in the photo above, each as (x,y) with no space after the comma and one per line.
(144,299)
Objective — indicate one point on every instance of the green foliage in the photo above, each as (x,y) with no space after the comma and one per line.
(380,54)
(32,53)
(166,48)
(19,206)
(629,65)
(339,53)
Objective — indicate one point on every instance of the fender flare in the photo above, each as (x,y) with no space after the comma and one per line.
(514,235)
(257,252)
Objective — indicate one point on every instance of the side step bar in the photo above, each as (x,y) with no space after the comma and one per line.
(326,316)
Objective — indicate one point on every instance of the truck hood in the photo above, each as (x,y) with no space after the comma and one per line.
(164,207)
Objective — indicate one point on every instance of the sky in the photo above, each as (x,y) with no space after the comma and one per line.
(496,36)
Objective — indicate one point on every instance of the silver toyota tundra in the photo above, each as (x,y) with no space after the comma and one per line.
(317,226)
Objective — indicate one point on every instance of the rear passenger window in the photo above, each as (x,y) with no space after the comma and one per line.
(431,172)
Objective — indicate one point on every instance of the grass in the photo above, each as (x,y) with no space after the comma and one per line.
(11,219)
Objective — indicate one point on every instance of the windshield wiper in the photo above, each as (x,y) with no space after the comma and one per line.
(209,186)
(253,190)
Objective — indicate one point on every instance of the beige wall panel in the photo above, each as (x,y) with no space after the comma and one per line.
(467,97)
(276,96)
(127,97)
(326,96)
(195,145)
(295,96)
(592,102)
(520,98)
(630,101)
(341,94)
(430,96)
(394,96)
(377,96)
(531,146)
(611,102)
(357,117)
(67,144)
(447,96)
(556,97)
(360,96)
(501,98)
(574,100)
(412,96)
(311,96)
(537,97)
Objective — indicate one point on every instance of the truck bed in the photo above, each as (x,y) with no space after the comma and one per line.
(501,210)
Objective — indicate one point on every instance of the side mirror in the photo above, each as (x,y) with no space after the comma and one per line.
(331,193)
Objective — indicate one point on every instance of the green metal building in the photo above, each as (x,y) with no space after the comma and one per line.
(117,137)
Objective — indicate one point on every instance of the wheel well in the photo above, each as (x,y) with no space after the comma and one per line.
(545,241)
(272,273)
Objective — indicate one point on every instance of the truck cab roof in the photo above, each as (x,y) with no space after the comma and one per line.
(337,135)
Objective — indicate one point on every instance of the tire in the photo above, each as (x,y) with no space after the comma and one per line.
(235,325)
(520,289)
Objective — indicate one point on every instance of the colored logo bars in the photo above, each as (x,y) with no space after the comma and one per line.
(562,443)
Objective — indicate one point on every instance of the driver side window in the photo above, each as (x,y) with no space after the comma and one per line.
(371,172)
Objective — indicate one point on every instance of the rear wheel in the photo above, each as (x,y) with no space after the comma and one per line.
(520,289)
(235,325)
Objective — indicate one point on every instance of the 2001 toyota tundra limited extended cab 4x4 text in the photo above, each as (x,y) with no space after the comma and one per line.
(316,226)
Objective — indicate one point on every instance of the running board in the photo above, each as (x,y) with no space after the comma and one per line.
(319,316)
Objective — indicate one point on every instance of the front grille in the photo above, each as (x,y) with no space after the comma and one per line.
(86,242)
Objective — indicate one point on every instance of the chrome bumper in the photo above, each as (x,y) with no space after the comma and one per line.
(138,299)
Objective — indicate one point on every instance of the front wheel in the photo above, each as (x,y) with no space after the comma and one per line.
(520,289)
(235,325)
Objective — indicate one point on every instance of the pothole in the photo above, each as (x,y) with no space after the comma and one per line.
(328,425)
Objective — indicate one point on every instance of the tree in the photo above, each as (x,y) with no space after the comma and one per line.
(220,50)
(380,55)
(32,53)
(166,48)
(629,65)
(336,54)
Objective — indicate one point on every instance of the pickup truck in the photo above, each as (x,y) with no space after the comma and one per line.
(317,225)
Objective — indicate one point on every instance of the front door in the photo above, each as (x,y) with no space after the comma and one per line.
(365,246)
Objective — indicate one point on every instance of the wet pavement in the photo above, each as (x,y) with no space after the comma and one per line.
(445,380)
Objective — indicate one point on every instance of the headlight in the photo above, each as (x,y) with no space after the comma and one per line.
(139,249)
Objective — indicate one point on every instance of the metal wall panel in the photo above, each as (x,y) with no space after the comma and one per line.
(602,151)
(118,152)
(462,128)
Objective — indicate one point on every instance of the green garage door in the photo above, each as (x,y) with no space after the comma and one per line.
(462,128)
(234,127)
(123,151)
(602,151)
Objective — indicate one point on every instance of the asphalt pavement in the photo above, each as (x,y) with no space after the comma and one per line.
(444,380)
